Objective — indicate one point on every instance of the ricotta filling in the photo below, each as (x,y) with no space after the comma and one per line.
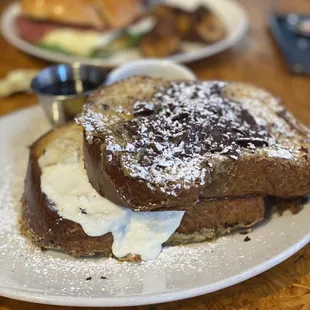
(66,185)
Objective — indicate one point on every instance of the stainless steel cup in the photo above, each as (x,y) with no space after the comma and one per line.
(59,106)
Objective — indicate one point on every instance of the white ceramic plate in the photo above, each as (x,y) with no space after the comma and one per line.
(28,274)
(231,13)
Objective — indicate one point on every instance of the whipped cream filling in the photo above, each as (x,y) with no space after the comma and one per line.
(66,185)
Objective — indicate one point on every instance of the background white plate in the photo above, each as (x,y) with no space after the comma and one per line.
(28,274)
(231,13)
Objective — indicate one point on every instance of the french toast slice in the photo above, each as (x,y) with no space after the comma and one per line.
(39,221)
(42,223)
(150,144)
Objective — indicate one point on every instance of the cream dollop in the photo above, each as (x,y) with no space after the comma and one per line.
(143,233)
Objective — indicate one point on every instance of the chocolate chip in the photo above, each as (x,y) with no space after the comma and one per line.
(180,116)
(238,130)
(143,109)
(304,149)
(88,279)
(103,278)
(305,157)
(246,239)
(171,107)
(247,117)
(258,142)
(43,249)
(158,138)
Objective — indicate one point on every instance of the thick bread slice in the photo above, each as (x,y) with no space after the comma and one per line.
(151,144)
(41,222)
(211,218)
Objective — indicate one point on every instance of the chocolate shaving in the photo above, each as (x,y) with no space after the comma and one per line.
(180,116)
(258,142)
(83,211)
(216,150)
(304,149)
(143,109)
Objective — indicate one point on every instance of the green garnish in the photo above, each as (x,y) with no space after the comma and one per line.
(121,41)
(53,48)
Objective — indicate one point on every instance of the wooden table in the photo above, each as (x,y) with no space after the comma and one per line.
(257,60)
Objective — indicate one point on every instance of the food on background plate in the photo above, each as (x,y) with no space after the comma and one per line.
(96,14)
(106,28)
(74,26)
(166,163)
(174,25)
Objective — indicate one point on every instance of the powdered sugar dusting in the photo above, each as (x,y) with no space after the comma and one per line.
(172,137)
(7,198)
(85,277)
(13,164)
(280,153)
(96,122)
(172,141)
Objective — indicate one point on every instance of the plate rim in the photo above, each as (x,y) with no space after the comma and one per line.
(53,57)
(147,299)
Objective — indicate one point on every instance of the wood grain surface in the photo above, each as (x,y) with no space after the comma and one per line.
(255,60)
